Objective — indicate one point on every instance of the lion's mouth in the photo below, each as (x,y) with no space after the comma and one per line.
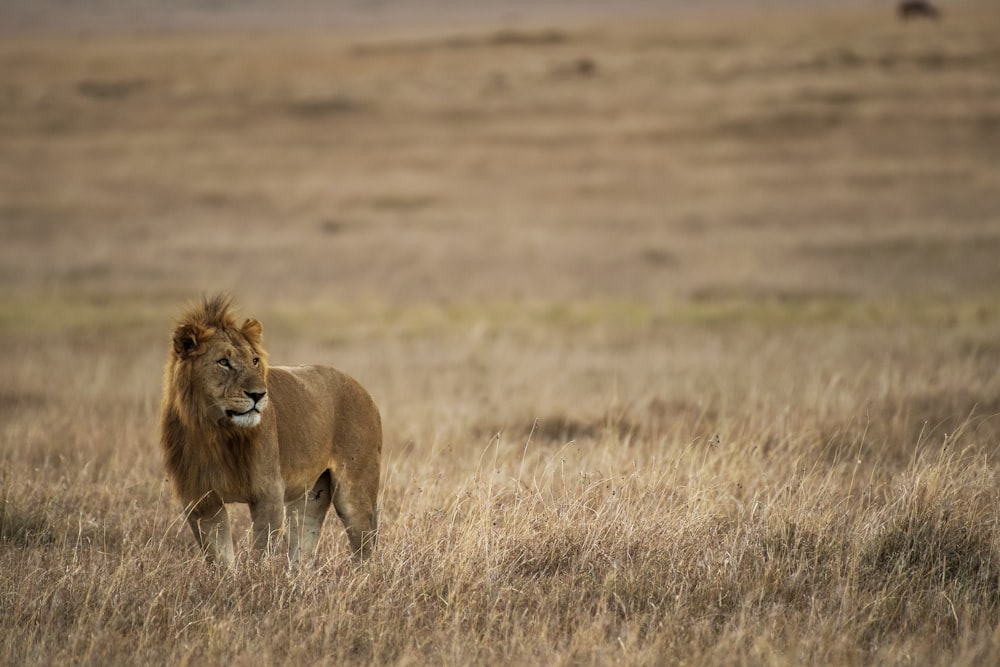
(247,419)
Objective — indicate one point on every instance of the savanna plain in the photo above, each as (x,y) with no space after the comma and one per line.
(685,333)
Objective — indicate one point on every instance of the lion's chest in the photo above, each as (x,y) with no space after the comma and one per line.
(234,469)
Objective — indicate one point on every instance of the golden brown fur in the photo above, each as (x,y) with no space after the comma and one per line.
(283,440)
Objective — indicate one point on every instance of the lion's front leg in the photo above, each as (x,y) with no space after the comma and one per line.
(268,519)
(209,522)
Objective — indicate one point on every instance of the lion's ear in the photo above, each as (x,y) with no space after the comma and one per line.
(187,339)
(253,330)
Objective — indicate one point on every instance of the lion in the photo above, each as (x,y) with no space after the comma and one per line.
(284,440)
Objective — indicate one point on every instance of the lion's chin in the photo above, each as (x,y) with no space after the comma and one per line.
(246,419)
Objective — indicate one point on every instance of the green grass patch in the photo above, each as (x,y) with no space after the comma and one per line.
(348,321)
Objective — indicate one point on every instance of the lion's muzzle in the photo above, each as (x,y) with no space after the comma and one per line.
(251,416)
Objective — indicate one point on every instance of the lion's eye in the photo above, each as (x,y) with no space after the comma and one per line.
(224,363)
(256,361)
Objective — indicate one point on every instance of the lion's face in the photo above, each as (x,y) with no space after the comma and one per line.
(226,366)
(233,376)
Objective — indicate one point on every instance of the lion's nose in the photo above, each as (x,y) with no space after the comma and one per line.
(255,395)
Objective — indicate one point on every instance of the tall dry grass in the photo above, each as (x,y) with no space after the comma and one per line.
(555,493)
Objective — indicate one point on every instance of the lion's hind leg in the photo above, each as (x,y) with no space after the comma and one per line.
(305,518)
(357,510)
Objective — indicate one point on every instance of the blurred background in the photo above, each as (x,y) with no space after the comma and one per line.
(456,152)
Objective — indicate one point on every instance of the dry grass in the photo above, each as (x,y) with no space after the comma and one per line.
(686,356)
(554,494)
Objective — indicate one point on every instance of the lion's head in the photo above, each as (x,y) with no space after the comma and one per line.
(217,366)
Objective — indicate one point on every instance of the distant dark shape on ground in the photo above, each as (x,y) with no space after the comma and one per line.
(908,9)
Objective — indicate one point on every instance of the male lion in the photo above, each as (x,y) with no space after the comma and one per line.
(284,438)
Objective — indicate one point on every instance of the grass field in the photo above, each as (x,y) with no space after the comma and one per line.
(686,336)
